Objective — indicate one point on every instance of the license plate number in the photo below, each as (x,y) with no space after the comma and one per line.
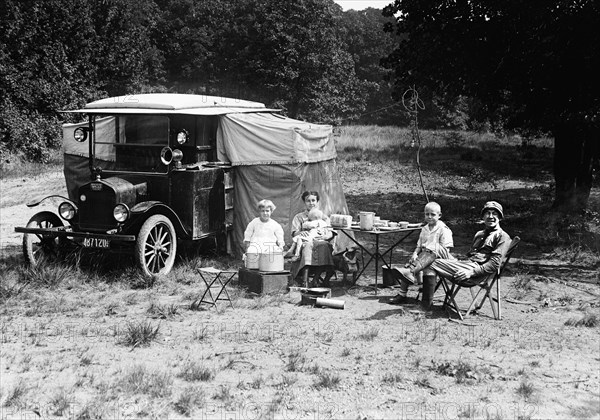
(96,243)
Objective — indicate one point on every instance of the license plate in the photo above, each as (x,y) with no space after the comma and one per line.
(96,243)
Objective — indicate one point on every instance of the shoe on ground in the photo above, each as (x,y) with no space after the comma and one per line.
(398,299)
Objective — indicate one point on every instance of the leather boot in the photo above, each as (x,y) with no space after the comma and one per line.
(428,291)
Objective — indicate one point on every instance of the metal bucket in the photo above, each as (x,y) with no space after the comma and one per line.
(272,261)
(252,260)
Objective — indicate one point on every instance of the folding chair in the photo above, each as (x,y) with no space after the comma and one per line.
(485,283)
(220,280)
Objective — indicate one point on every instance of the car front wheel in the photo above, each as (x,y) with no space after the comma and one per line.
(156,246)
(41,248)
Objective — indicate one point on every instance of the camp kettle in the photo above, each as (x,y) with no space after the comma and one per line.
(366,220)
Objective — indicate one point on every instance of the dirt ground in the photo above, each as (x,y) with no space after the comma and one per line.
(69,348)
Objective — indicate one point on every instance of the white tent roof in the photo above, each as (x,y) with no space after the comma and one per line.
(171,103)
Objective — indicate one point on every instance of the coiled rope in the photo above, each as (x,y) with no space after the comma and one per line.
(412,104)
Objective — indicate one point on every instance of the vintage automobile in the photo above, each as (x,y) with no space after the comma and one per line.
(146,178)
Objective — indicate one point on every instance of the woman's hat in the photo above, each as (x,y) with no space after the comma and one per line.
(493,205)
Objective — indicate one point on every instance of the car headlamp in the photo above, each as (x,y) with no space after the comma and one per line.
(121,213)
(182,136)
(67,210)
(80,134)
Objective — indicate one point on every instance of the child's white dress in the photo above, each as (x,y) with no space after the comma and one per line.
(263,236)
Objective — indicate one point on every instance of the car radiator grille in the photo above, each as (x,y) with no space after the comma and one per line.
(96,212)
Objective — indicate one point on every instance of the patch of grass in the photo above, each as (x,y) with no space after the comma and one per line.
(190,398)
(257,382)
(579,254)
(139,380)
(17,166)
(163,311)
(60,402)
(15,394)
(525,390)
(589,319)
(11,288)
(424,382)
(369,334)
(192,371)
(461,371)
(111,308)
(346,352)
(46,275)
(288,380)
(86,359)
(327,380)
(139,334)
(224,394)
(392,378)
(314,369)
(199,334)
(296,361)
(93,410)
(137,280)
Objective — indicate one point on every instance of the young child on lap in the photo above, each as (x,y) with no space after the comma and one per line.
(316,226)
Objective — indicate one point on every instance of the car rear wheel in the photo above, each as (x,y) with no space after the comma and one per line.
(156,246)
(42,248)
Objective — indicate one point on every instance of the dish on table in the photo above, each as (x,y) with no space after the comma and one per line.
(414,225)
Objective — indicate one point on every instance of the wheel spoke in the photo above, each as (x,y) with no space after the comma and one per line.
(150,260)
(152,237)
(163,235)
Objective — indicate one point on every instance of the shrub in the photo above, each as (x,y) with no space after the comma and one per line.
(28,133)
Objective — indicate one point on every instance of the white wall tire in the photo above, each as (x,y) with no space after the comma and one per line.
(156,246)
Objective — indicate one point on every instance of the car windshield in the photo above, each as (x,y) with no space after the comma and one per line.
(133,143)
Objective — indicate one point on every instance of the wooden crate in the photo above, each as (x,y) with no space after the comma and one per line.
(264,282)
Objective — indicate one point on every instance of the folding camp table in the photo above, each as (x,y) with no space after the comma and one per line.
(376,255)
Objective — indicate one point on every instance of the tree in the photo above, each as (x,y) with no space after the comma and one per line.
(290,51)
(367,43)
(535,63)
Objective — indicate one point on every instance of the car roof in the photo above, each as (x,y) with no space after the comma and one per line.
(171,103)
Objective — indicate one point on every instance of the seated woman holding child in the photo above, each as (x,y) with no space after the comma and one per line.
(314,248)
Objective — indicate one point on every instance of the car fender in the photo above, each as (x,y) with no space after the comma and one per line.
(37,201)
(142,211)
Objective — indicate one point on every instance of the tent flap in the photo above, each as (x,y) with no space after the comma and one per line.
(264,139)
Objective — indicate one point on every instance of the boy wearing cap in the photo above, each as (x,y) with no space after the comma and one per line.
(486,251)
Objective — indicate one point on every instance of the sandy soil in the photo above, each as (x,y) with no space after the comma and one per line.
(65,349)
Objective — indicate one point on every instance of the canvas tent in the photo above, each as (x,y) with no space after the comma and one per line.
(278,158)
(273,157)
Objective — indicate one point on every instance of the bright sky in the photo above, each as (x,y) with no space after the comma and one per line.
(363,4)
